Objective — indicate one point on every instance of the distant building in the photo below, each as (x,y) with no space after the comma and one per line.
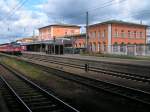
(78,40)
(148,35)
(103,36)
(57,30)
(27,40)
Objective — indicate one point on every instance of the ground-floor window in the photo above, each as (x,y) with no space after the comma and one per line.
(94,47)
(122,48)
(115,48)
(99,47)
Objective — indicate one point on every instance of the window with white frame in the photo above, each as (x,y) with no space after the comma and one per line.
(141,34)
(123,34)
(94,35)
(103,34)
(135,35)
(116,33)
(129,34)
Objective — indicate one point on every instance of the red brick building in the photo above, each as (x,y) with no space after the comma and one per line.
(103,36)
(57,30)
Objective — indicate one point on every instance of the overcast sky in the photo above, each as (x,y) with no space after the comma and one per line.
(18,18)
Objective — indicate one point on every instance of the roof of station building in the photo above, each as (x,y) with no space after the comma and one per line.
(119,22)
(61,25)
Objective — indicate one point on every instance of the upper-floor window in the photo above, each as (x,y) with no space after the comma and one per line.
(72,32)
(49,30)
(66,33)
(103,34)
(94,34)
(129,34)
(135,34)
(99,35)
(122,33)
(141,34)
(116,33)
(90,34)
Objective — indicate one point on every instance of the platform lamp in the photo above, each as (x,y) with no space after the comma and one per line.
(54,40)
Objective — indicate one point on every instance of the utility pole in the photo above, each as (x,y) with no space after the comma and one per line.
(87,32)
(54,40)
(33,33)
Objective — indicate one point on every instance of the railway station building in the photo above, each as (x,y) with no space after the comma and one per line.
(113,37)
(117,37)
(57,31)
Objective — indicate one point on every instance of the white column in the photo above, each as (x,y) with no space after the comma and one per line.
(109,38)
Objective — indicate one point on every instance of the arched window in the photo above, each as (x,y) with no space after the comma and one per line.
(122,47)
(94,47)
(90,46)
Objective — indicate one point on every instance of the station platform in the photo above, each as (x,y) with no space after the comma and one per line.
(139,62)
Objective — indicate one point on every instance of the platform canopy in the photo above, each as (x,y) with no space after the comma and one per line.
(59,41)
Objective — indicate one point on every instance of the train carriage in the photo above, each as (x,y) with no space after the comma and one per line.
(11,48)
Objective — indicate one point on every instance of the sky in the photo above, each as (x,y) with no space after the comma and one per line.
(20,18)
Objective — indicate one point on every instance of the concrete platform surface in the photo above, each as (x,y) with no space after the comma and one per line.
(104,59)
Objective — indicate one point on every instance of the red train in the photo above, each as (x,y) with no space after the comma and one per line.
(11,48)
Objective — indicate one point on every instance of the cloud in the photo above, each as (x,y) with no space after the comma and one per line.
(35,15)
(18,23)
(73,11)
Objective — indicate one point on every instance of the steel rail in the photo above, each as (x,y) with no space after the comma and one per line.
(66,106)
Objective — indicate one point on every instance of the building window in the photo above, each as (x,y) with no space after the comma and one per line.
(72,32)
(94,47)
(116,33)
(122,47)
(65,33)
(94,34)
(103,35)
(49,31)
(129,34)
(122,33)
(99,35)
(135,34)
(141,34)
(90,35)
(115,47)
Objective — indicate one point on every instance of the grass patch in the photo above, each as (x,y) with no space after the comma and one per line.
(24,67)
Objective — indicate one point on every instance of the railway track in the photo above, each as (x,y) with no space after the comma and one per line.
(80,65)
(134,95)
(22,95)
(123,91)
